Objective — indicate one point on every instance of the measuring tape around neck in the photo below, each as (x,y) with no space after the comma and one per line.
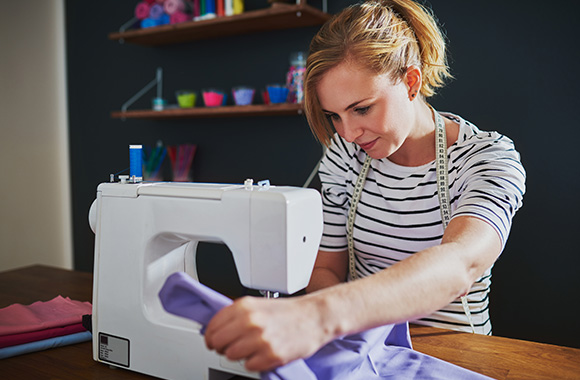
(442,192)
(357,191)
(442,171)
(443,189)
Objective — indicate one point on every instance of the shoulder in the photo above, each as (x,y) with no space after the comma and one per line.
(471,140)
(480,154)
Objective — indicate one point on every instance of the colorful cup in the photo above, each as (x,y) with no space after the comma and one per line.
(243,96)
(277,93)
(213,98)
(186,98)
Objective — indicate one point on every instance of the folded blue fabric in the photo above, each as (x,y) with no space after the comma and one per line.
(381,353)
(45,344)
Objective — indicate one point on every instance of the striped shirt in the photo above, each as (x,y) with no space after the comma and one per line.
(398,213)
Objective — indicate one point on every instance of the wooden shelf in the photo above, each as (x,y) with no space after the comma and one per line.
(279,16)
(285,109)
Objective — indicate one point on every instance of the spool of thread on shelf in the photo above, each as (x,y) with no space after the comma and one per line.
(156,12)
(238,6)
(220,8)
(136,162)
(179,17)
(229,7)
(210,7)
(142,10)
(172,6)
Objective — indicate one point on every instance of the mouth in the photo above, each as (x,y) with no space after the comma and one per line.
(368,145)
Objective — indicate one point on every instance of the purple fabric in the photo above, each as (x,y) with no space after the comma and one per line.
(381,353)
(182,295)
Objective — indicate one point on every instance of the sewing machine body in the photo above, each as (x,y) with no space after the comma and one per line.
(148,231)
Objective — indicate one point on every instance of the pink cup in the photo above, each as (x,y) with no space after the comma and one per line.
(213,98)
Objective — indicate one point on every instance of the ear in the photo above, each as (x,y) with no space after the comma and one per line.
(413,79)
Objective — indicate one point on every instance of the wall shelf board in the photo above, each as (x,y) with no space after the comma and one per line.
(280,16)
(285,109)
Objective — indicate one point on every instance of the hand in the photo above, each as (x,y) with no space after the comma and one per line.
(267,333)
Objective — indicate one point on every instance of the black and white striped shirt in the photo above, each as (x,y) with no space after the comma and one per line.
(398,213)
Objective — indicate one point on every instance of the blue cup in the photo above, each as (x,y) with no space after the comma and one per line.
(277,93)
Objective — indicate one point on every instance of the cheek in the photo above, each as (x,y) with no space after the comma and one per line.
(380,123)
(339,128)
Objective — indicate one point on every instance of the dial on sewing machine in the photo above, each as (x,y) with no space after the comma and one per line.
(145,232)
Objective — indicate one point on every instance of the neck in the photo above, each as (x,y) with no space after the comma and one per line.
(419,147)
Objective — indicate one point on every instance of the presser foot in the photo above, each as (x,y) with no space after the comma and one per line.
(269,294)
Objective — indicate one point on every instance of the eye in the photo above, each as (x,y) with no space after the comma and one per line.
(332,117)
(362,110)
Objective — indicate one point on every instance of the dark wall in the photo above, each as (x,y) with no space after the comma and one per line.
(103,74)
(515,72)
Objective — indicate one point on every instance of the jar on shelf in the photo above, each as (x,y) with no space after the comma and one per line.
(295,77)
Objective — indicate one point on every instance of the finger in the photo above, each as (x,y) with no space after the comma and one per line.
(220,339)
(227,326)
(260,362)
(243,347)
(221,320)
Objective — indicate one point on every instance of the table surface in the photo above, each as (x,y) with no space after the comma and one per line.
(497,357)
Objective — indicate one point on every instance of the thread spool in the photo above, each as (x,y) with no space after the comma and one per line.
(238,6)
(156,12)
(149,23)
(142,10)
(136,162)
(179,17)
(210,7)
(164,20)
(196,9)
(172,6)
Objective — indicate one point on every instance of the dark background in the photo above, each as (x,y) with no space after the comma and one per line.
(515,67)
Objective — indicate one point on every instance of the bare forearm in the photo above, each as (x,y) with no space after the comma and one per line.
(414,287)
(329,270)
(322,278)
(397,294)
(270,333)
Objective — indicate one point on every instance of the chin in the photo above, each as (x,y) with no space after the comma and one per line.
(376,155)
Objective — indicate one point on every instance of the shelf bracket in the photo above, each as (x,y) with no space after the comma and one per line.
(158,81)
(126,26)
(324,5)
(315,169)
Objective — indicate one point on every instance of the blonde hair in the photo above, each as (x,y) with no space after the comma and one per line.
(383,36)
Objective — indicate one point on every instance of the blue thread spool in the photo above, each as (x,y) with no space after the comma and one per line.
(136,162)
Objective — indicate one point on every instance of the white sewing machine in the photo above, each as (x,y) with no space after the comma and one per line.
(145,232)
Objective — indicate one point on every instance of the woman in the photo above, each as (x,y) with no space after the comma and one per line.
(369,73)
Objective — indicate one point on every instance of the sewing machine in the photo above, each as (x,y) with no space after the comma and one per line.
(145,232)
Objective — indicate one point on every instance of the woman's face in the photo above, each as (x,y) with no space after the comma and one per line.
(367,109)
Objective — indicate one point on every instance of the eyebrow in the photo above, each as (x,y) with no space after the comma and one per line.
(348,107)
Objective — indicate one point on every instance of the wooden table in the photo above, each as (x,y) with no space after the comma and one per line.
(497,357)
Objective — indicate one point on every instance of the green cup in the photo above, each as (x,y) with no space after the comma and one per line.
(185,98)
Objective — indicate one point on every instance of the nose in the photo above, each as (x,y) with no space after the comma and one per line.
(350,131)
